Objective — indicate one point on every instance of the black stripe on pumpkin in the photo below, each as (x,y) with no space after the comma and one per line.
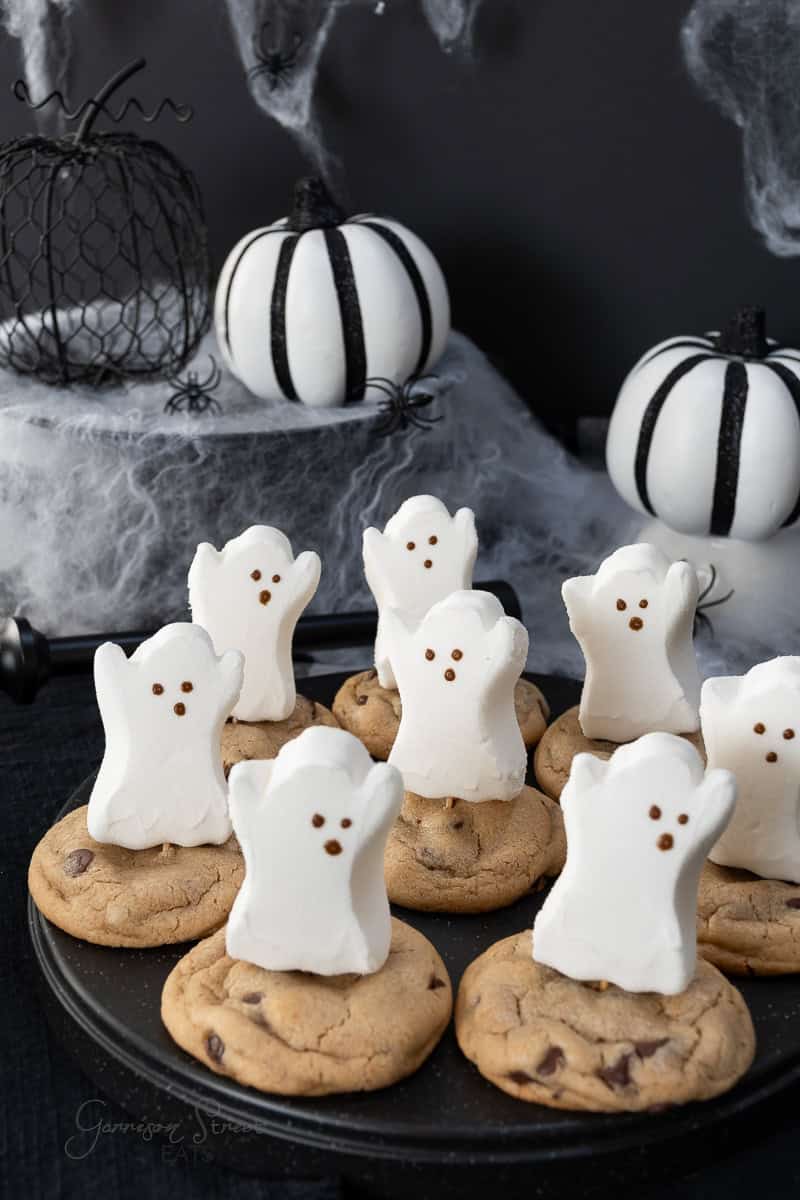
(277,329)
(352,326)
(729,440)
(781,356)
(252,241)
(792,383)
(417,282)
(650,417)
(684,344)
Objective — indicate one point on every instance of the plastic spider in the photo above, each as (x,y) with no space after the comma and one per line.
(192,394)
(700,618)
(272,61)
(402,404)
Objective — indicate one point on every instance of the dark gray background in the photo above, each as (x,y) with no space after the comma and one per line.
(583,199)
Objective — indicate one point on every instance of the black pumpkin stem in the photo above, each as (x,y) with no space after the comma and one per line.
(97,104)
(314,207)
(745,334)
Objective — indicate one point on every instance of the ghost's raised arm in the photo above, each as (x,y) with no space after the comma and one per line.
(205,562)
(110,671)
(231,670)
(384,790)
(712,807)
(586,772)
(577,594)
(376,550)
(508,642)
(680,596)
(247,785)
(464,524)
(305,572)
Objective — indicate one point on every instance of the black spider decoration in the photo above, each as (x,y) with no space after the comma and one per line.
(192,394)
(701,621)
(402,405)
(274,62)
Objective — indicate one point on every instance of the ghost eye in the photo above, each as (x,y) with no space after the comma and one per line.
(411,545)
(345,822)
(430,655)
(276,578)
(683,818)
(432,540)
(255,575)
(158,689)
(621,606)
(187,686)
(788,734)
(642,604)
(759,728)
(457,655)
(317,820)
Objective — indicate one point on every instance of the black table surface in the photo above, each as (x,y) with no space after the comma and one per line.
(60,1137)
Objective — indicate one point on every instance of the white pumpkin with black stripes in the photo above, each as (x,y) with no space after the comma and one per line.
(316,305)
(705,433)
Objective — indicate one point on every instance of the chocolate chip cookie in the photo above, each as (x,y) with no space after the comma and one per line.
(116,897)
(543,1037)
(300,1034)
(243,740)
(372,713)
(564,739)
(453,856)
(747,925)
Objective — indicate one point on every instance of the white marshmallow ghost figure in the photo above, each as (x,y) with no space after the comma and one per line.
(422,556)
(249,596)
(633,621)
(163,710)
(751,725)
(638,830)
(312,824)
(456,672)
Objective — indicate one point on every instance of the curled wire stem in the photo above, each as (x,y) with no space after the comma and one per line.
(181,112)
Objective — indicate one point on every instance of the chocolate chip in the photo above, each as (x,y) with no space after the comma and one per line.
(432,540)
(345,822)
(552,1061)
(410,545)
(759,728)
(617,1075)
(665,842)
(276,578)
(317,820)
(158,689)
(771,756)
(215,1047)
(636,623)
(648,1049)
(430,655)
(265,596)
(794,902)
(621,606)
(457,655)
(253,998)
(683,818)
(520,1077)
(642,604)
(362,699)
(77,861)
(186,686)
(655,812)
(179,709)
(427,563)
(435,983)
(333,847)
(449,674)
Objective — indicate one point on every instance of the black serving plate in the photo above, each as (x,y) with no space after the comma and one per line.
(444,1132)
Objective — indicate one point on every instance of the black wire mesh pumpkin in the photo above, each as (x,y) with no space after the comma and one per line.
(104,269)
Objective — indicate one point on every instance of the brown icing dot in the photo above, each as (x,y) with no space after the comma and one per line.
(158,689)
(317,820)
(553,1059)
(520,1077)
(77,861)
(449,674)
(430,655)
(411,545)
(362,699)
(435,983)
(648,1049)
(432,540)
(179,709)
(276,578)
(642,604)
(759,728)
(794,902)
(253,998)
(215,1047)
(655,813)
(428,563)
(683,818)
(333,847)
(636,623)
(265,596)
(621,606)
(618,1074)
(665,842)
(788,734)
(255,575)
(345,822)
(187,686)
(771,756)
(457,655)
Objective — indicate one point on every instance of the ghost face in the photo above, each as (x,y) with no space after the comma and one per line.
(429,560)
(177,694)
(258,574)
(631,606)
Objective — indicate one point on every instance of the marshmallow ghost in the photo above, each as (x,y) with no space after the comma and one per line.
(456,671)
(422,556)
(312,824)
(163,710)
(249,596)
(638,830)
(751,725)
(633,621)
